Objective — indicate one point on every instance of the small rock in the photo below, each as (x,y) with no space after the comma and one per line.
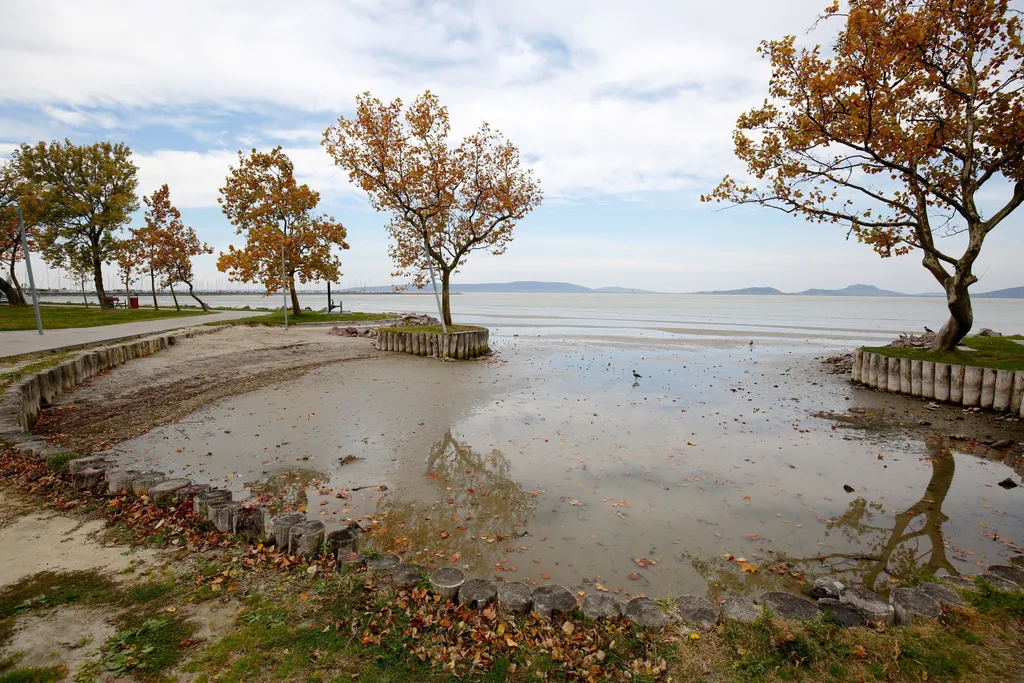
(848,488)
(924,423)
(826,587)
(408,575)
(740,609)
(869,603)
(478,593)
(986,332)
(646,613)
(515,598)
(1009,573)
(383,564)
(959,582)
(844,615)
(1008,483)
(788,606)
(998,582)
(553,602)
(601,606)
(910,605)
(697,612)
(1002,443)
(941,594)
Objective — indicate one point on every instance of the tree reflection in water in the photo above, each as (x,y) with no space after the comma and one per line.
(476,511)
(287,488)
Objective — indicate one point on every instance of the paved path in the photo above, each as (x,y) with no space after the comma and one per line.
(29,341)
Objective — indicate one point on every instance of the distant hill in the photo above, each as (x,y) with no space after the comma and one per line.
(852,290)
(867,290)
(1010,293)
(522,286)
(746,290)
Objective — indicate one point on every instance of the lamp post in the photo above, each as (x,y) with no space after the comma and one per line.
(284,283)
(28,266)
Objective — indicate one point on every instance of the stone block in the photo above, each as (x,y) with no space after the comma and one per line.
(447,581)
(942,594)
(599,606)
(910,605)
(383,565)
(306,538)
(1014,574)
(869,603)
(478,593)
(167,490)
(646,613)
(740,609)
(841,613)
(553,602)
(281,527)
(826,587)
(203,499)
(408,575)
(515,598)
(697,612)
(788,606)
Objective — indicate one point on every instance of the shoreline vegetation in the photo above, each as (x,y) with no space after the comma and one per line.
(997,353)
(311,617)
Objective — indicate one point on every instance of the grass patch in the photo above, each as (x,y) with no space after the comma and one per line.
(277,318)
(989,600)
(12,376)
(435,329)
(1000,353)
(58,462)
(34,675)
(62,317)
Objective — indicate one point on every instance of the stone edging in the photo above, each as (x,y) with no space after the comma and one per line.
(22,400)
(964,385)
(849,606)
(458,345)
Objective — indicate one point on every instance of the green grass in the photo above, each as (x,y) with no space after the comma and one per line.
(277,318)
(435,329)
(1000,353)
(8,378)
(33,675)
(58,462)
(63,317)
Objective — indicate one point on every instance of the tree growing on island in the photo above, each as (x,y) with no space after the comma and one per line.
(80,197)
(908,131)
(265,203)
(443,202)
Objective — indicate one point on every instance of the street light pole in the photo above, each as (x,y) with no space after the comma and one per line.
(284,284)
(28,266)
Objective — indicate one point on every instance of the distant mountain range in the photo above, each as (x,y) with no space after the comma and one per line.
(866,290)
(522,286)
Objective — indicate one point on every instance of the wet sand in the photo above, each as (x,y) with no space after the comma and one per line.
(548,462)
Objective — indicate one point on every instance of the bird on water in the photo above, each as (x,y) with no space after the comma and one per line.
(637,375)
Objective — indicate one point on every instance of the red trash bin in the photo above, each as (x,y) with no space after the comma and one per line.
(133,302)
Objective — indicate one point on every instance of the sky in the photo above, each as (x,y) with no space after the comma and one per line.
(625,112)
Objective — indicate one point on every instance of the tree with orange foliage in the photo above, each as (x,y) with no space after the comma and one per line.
(154,240)
(130,260)
(444,202)
(264,202)
(903,134)
(182,245)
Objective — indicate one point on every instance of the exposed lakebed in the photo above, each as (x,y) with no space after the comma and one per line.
(721,470)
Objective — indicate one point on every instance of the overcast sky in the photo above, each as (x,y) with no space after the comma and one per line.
(624,110)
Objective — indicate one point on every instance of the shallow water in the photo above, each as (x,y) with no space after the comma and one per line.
(549,462)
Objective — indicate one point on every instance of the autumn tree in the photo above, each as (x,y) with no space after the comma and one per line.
(444,202)
(82,196)
(130,260)
(910,129)
(265,203)
(10,239)
(182,245)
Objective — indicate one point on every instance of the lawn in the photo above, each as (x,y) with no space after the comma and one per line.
(1000,353)
(277,318)
(57,317)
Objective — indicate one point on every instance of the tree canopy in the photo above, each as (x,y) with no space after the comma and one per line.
(444,202)
(80,197)
(898,133)
(265,203)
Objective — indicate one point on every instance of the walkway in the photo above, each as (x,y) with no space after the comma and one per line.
(29,341)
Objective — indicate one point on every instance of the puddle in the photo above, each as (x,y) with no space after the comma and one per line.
(552,464)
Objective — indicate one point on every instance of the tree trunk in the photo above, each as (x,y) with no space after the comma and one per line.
(14,278)
(152,282)
(192,293)
(295,295)
(13,296)
(81,281)
(961,317)
(174,296)
(446,305)
(97,276)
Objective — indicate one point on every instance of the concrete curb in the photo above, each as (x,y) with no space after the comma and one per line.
(967,386)
(22,401)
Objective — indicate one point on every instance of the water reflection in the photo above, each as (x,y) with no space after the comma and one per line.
(288,487)
(914,542)
(471,513)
